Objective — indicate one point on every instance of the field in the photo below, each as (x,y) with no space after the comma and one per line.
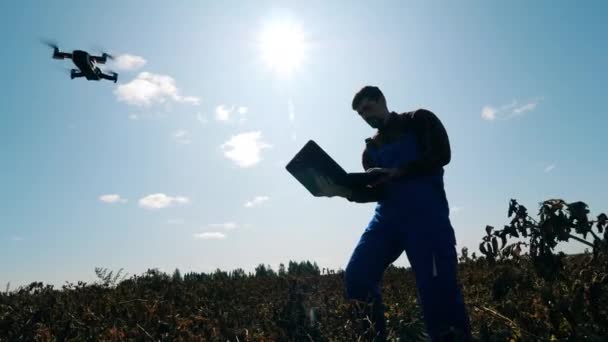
(511,295)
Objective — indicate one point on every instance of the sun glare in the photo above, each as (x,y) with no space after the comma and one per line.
(283,46)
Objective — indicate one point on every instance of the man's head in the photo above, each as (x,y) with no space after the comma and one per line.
(370,103)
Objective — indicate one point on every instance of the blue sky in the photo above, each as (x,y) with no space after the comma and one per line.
(181,163)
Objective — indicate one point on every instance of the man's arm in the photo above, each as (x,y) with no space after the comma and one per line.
(366,195)
(433,143)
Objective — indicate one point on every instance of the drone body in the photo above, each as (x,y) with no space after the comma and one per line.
(86,64)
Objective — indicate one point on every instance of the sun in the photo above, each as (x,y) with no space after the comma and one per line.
(283,46)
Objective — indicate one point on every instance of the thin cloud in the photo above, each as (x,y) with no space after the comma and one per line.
(222,113)
(226,114)
(112,198)
(225,225)
(128,62)
(509,111)
(210,236)
(525,108)
(245,149)
(16,238)
(181,137)
(160,201)
(148,88)
(175,221)
(258,200)
(549,168)
(242,112)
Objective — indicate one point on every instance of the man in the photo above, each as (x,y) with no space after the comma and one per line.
(412,214)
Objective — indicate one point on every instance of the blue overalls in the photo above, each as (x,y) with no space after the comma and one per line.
(413,216)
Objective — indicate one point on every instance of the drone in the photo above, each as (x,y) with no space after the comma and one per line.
(86,64)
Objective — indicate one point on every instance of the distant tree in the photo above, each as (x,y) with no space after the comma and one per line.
(239,273)
(303,268)
(264,271)
(108,278)
(177,276)
(282,271)
(219,274)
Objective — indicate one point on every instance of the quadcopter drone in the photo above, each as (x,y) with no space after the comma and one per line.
(86,64)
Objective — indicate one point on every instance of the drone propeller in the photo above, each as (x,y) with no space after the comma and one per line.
(102,52)
(49,43)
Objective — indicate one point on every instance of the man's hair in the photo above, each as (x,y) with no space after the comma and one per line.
(368,92)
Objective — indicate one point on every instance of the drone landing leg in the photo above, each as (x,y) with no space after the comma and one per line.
(113,77)
(75,73)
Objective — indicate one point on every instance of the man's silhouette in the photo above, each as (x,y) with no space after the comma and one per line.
(411,215)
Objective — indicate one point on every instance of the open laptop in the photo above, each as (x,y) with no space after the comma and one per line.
(312,161)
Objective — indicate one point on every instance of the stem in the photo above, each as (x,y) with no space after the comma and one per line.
(533,220)
(581,240)
(594,236)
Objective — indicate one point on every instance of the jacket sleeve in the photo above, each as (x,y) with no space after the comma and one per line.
(433,143)
(365,195)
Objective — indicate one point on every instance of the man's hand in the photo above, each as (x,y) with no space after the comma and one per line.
(331,189)
(388,174)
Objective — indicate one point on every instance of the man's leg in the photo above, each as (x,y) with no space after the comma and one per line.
(378,247)
(432,254)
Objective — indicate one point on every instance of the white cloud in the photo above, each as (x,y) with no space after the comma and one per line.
(222,113)
(159,201)
(133,117)
(148,88)
(112,198)
(488,113)
(181,137)
(508,111)
(243,112)
(549,167)
(175,221)
(256,201)
(226,114)
(244,149)
(210,236)
(128,62)
(225,225)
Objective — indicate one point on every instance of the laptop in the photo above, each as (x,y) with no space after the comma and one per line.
(312,161)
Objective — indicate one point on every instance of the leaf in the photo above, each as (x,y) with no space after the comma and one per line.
(522,212)
(512,207)
(602,222)
(578,211)
(483,249)
(489,229)
(495,245)
(504,241)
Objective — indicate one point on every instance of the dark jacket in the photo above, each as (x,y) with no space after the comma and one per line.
(433,144)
